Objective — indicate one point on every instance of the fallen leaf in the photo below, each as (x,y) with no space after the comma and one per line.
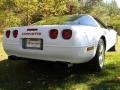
(29,82)
(43,83)
(118,78)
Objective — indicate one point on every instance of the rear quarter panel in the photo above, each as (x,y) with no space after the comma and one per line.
(87,35)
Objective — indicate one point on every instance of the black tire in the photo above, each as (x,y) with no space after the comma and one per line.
(112,48)
(12,58)
(97,63)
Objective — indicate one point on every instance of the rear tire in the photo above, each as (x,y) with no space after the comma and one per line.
(97,63)
(12,58)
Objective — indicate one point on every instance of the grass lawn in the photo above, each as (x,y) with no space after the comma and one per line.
(22,75)
(2,53)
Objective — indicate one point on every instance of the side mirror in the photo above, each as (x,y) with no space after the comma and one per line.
(110,27)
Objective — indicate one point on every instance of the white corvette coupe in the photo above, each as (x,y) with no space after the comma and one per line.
(84,39)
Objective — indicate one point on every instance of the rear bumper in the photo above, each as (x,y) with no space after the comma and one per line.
(53,53)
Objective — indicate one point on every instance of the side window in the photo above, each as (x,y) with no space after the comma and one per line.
(86,20)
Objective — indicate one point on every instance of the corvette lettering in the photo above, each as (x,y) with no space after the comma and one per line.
(37,33)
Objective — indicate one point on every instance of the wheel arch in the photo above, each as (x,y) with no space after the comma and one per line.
(104,39)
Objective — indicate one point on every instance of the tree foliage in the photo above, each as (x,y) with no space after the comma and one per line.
(108,12)
(25,12)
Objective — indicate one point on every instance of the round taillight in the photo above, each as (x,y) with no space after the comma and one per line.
(15,33)
(53,33)
(8,33)
(67,34)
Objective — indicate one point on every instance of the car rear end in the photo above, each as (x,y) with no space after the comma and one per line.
(49,42)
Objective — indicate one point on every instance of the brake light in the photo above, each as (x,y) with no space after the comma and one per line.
(67,34)
(15,33)
(53,33)
(8,33)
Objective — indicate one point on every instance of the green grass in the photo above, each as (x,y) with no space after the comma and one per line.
(21,75)
(2,53)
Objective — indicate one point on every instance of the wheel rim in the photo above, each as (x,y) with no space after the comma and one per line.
(101,55)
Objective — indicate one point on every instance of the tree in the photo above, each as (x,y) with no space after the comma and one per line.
(73,6)
(25,9)
(113,8)
(52,7)
(89,4)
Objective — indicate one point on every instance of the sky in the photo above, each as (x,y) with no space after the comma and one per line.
(118,2)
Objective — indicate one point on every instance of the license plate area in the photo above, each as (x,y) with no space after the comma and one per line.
(32,43)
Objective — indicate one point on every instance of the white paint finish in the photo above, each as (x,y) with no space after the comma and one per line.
(53,53)
(73,50)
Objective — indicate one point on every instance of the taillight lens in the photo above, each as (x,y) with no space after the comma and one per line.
(15,33)
(53,33)
(8,33)
(67,34)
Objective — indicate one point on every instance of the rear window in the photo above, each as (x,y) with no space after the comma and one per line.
(85,20)
(68,20)
(60,20)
